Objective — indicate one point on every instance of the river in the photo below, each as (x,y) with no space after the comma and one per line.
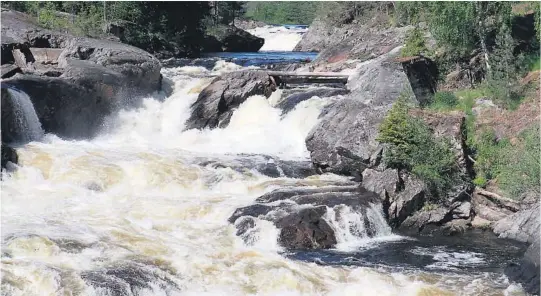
(140,211)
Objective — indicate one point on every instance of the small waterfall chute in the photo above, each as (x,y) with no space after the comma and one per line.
(20,120)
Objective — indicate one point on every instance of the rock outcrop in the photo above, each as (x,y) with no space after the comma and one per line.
(233,39)
(302,215)
(491,207)
(74,82)
(344,140)
(216,103)
(526,271)
(522,226)
(353,41)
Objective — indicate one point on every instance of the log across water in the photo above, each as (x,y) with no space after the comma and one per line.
(283,78)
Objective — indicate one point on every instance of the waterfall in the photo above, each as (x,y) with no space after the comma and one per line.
(24,120)
(280,38)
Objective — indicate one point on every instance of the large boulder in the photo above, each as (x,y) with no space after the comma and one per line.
(304,216)
(522,226)
(344,140)
(216,103)
(350,41)
(408,206)
(74,82)
(492,207)
(233,39)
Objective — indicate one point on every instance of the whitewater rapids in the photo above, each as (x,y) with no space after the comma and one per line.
(134,212)
(279,38)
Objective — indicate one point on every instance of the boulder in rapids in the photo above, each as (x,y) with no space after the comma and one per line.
(302,214)
(216,103)
(8,155)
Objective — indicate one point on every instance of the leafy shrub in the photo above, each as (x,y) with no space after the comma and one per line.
(444,101)
(413,147)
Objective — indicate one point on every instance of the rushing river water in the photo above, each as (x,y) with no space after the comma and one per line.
(139,211)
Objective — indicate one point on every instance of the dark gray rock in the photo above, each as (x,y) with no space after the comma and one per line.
(8,155)
(526,272)
(9,70)
(263,164)
(306,229)
(522,226)
(299,213)
(233,39)
(291,101)
(216,103)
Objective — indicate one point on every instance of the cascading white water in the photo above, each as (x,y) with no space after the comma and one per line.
(25,117)
(351,230)
(279,38)
(134,212)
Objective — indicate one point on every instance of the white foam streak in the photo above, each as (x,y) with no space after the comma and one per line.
(278,38)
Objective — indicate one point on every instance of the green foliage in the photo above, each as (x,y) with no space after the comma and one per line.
(289,12)
(413,147)
(516,167)
(444,101)
(480,181)
(415,44)
(154,25)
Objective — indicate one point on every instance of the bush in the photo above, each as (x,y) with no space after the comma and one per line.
(515,167)
(413,147)
(444,101)
(415,44)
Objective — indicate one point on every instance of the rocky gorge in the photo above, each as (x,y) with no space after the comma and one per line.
(340,191)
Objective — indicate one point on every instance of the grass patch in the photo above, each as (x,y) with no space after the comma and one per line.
(515,166)
(444,101)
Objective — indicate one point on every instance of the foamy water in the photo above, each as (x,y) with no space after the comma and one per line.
(133,212)
(279,38)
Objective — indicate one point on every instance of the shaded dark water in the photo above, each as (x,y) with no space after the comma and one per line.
(264,58)
(476,251)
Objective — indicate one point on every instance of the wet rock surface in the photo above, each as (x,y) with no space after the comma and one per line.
(293,100)
(217,102)
(526,271)
(301,214)
(8,155)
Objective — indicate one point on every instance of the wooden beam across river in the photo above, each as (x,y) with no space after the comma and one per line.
(283,78)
